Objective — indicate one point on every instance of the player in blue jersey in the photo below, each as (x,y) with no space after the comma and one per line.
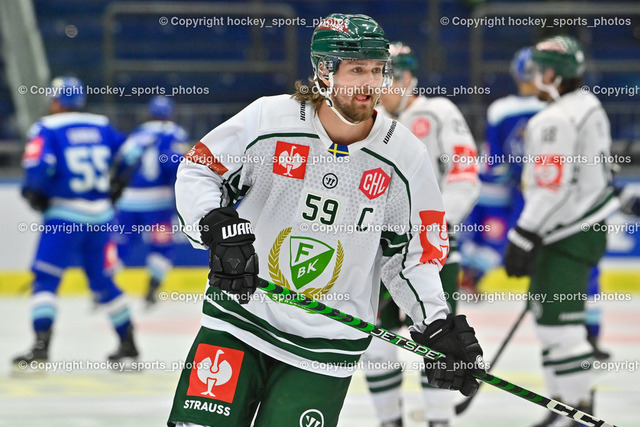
(500,200)
(66,164)
(150,158)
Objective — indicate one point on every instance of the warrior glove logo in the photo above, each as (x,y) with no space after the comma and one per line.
(237,229)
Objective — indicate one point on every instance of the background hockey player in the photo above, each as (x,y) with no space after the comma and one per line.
(566,194)
(66,164)
(147,164)
(334,208)
(500,201)
(440,126)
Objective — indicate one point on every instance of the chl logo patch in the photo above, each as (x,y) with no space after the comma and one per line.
(215,372)
(421,127)
(290,160)
(312,418)
(374,183)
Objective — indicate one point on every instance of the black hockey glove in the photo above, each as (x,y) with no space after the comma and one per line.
(630,201)
(233,261)
(456,339)
(36,200)
(520,256)
(117,184)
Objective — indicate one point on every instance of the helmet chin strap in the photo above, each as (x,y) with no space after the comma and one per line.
(329,101)
(551,89)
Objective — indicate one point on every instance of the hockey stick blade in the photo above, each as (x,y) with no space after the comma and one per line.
(462,406)
(288,296)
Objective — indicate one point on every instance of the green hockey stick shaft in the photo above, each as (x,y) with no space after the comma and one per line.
(288,296)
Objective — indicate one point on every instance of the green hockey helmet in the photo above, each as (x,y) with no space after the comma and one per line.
(562,54)
(403,59)
(340,36)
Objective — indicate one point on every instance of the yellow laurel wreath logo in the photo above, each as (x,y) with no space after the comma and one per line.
(279,278)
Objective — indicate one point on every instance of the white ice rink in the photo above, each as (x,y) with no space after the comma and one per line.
(97,397)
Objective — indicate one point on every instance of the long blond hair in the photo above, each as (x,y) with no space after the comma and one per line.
(309,92)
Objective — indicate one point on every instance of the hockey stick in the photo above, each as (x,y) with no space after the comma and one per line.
(288,296)
(462,406)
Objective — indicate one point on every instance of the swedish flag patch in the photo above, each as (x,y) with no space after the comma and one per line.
(338,150)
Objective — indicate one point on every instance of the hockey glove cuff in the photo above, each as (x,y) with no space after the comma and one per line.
(233,262)
(36,200)
(520,256)
(456,339)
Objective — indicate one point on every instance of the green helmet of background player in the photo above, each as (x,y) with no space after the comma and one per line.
(562,54)
(340,36)
(403,58)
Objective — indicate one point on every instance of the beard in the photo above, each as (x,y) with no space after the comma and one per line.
(353,110)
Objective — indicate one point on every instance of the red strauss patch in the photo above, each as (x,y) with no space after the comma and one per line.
(201,154)
(434,238)
(548,171)
(374,183)
(290,160)
(215,372)
(465,164)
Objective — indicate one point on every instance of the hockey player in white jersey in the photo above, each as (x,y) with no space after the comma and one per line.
(559,235)
(340,199)
(440,126)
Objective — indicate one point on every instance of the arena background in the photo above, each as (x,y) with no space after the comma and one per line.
(214,58)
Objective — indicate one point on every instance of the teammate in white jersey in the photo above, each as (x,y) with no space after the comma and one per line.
(440,126)
(559,237)
(340,199)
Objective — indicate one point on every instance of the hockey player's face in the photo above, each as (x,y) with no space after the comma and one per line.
(357,87)
(391,98)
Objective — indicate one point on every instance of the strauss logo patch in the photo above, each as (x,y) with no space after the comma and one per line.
(215,372)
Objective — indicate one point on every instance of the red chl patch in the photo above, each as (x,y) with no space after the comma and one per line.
(547,171)
(33,149)
(421,127)
(215,372)
(374,183)
(201,154)
(434,238)
(465,165)
(290,160)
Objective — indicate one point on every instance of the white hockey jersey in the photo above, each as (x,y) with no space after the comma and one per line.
(439,124)
(330,221)
(567,168)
